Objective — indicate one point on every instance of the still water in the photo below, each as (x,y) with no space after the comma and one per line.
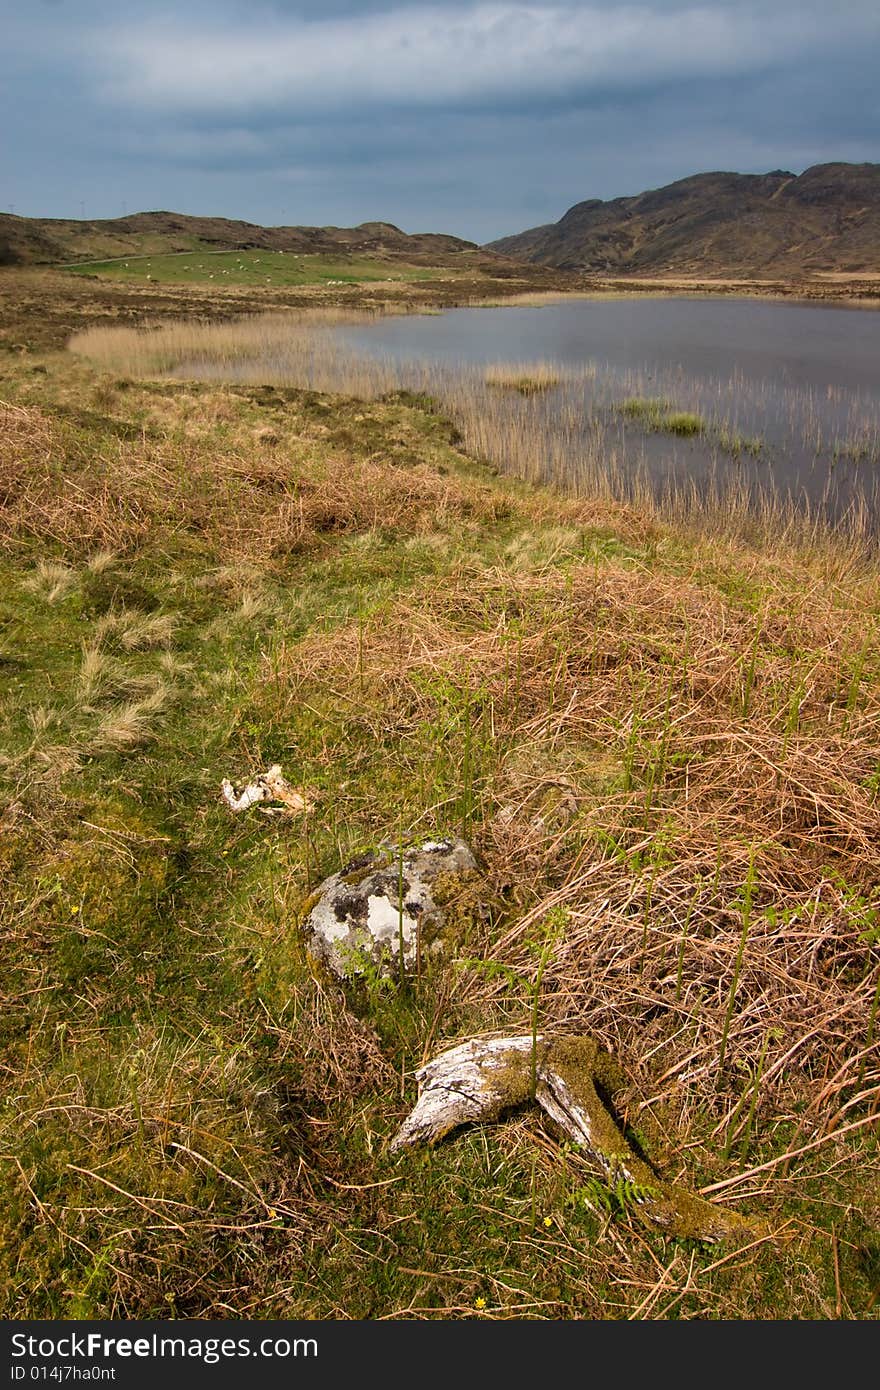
(786,396)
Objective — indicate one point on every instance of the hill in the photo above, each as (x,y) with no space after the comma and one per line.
(47,241)
(780,224)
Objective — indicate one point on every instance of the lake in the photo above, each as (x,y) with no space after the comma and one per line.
(777,400)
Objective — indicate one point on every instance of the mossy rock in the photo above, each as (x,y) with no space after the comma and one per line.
(391,909)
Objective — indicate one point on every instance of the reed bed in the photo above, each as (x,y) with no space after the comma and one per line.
(754,460)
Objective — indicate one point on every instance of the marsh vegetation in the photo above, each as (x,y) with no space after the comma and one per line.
(736,451)
(658,734)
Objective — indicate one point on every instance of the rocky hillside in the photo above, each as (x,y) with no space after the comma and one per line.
(46,241)
(777,224)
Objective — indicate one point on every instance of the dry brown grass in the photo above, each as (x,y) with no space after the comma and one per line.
(650,747)
(243,504)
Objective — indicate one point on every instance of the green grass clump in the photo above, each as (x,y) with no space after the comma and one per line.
(661,415)
(736,444)
(864,449)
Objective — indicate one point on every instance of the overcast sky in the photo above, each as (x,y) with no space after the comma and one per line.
(477,117)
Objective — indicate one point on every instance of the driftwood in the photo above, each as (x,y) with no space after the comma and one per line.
(269,786)
(480,1079)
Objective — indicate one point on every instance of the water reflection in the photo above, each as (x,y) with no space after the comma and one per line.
(785,397)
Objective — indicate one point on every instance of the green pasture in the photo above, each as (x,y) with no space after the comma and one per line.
(254,268)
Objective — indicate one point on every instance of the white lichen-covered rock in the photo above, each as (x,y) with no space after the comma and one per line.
(384,901)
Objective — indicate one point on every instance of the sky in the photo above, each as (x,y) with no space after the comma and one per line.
(475,117)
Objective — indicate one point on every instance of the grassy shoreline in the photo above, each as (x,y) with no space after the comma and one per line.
(662,743)
(562,424)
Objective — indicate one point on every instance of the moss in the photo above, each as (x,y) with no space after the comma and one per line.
(94,876)
(363,871)
(511,1073)
(581,1063)
(461,897)
(308,905)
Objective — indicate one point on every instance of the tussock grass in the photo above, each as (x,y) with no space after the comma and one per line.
(102,561)
(138,632)
(132,724)
(101,678)
(97,674)
(527,380)
(107,704)
(661,415)
(50,580)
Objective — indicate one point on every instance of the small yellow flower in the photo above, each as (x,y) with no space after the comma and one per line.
(548,1221)
(74,910)
(479,1302)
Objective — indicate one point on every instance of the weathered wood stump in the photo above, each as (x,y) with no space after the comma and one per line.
(480,1079)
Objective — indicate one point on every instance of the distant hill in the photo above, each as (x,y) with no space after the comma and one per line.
(48,241)
(778,224)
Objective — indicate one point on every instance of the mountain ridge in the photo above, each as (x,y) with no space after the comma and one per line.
(778,224)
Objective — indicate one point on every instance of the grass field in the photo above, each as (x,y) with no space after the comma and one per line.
(661,742)
(255,269)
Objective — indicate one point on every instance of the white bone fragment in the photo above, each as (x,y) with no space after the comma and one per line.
(475,1081)
(269,786)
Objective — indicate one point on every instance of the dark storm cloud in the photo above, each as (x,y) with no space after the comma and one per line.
(475,116)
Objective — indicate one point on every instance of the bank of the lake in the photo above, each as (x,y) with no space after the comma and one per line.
(709,411)
(660,741)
